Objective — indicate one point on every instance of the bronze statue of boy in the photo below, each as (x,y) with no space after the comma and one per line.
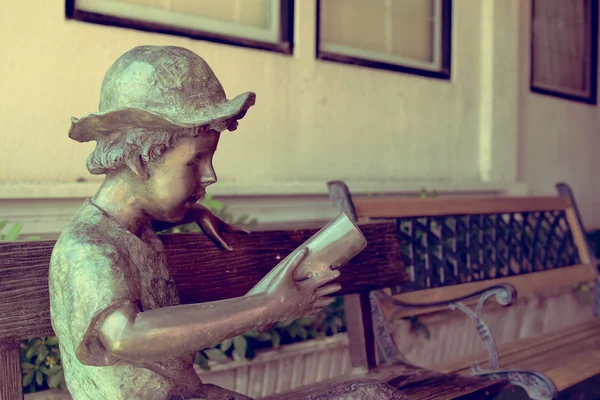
(115,309)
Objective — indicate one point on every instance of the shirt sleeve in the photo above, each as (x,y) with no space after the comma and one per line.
(98,282)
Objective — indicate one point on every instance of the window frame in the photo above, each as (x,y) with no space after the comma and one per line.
(443,48)
(284,44)
(592,50)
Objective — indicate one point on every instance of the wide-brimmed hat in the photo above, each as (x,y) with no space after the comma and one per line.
(160,87)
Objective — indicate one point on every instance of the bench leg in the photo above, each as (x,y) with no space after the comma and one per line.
(11,381)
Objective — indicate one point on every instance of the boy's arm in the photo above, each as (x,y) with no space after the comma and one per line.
(163,333)
(211,225)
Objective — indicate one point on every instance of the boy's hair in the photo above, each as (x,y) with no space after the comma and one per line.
(129,149)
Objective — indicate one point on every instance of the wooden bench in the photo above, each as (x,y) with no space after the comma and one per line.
(203,273)
(454,247)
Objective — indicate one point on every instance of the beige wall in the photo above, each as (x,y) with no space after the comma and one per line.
(313,120)
(559,140)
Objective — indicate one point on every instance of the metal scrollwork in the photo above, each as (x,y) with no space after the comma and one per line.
(537,385)
(505,296)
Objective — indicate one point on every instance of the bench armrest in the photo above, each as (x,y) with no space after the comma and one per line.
(505,295)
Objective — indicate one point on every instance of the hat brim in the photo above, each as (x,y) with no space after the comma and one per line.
(221,117)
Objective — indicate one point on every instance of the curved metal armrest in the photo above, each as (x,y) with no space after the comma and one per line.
(537,385)
(505,295)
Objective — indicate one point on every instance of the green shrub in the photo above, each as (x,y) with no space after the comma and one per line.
(41,364)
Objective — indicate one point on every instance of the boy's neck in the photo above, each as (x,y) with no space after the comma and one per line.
(117,199)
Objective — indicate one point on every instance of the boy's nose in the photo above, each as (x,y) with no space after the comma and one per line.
(208,179)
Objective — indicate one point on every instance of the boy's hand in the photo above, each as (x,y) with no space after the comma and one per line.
(289,299)
(213,226)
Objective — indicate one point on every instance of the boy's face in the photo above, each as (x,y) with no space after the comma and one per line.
(179,178)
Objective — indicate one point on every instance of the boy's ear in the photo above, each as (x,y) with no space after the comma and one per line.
(138,166)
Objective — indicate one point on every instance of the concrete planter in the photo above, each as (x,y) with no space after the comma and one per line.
(275,371)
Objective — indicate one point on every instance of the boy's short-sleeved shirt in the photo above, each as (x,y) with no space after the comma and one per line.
(98,266)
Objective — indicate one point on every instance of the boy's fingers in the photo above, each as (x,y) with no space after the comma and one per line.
(326,277)
(323,302)
(313,311)
(236,229)
(329,289)
(288,265)
(296,260)
(221,242)
(217,239)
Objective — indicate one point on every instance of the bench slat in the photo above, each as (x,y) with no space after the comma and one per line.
(201,271)
(557,354)
(417,207)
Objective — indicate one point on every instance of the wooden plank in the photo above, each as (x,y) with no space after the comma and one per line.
(201,271)
(526,283)
(575,369)
(513,353)
(416,383)
(578,236)
(418,207)
(568,356)
(11,387)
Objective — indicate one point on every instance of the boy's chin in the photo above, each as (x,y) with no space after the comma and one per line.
(172,216)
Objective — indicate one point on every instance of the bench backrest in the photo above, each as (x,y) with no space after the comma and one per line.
(453,247)
(201,271)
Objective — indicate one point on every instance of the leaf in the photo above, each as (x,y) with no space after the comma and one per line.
(39,378)
(240,345)
(242,220)
(52,341)
(293,331)
(275,339)
(226,344)
(284,324)
(43,353)
(313,333)
(28,378)
(261,337)
(3,224)
(212,204)
(307,320)
(44,369)
(202,361)
(302,332)
(14,232)
(215,355)
(56,380)
(32,351)
(55,369)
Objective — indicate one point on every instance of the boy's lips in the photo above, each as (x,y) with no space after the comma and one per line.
(193,199)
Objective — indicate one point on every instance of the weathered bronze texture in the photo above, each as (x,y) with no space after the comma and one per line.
(114,304)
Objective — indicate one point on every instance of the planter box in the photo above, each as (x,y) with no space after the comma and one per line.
(289,367)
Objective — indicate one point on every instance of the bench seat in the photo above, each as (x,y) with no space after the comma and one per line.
(416,383)
(568,356)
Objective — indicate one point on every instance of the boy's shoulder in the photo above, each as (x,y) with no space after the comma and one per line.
(87,232)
